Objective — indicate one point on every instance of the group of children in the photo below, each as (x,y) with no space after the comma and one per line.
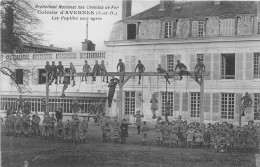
(220,136)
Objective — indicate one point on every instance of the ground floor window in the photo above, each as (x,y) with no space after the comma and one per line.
(227,105)
(129,103)
(165,98)
(195,105)
(256,103)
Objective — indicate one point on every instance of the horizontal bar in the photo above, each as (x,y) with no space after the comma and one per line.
(143,74)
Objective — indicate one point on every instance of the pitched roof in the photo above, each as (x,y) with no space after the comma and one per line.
(192,9)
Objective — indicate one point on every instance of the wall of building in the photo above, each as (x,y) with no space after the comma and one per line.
(153,54)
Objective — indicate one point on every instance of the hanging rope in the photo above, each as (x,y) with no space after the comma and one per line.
(142,93)
(157,82)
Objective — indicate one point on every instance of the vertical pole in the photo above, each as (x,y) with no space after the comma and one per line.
(47,93)
(121,113)
(202,100)
(240,117)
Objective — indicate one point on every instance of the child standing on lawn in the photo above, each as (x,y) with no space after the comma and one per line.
(67,127)
(84,129)
(158,128)
(145,130)
(124,131)
(59,127)
(116,129)
(138,121)
(52,124)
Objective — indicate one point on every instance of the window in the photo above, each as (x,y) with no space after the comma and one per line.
(131,31)
(256,65)
(67,70)
(168,29)
(35,103)
(195,105)
(19,76)
(129,103)
(256,104)
(228,27)
(200,56)
(197,29)
(227,105)
(167,97)
(170,63)
(228,66)
(201,29)
(258,26)
(42,79)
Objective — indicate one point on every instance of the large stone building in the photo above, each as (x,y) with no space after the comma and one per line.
(224,34)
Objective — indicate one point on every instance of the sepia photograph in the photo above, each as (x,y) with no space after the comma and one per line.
(142,83)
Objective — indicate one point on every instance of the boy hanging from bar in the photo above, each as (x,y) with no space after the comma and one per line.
(154,105)
(54,73)
(199,68)
(141,69)
(112,89)
(48,70)
(72,73)
(60,71)
(66,83)
(103,70)
(246,102)
(95,71)
(182,67)
(20,102)
(86,71)
(121,66)
(162,70)
(36,124)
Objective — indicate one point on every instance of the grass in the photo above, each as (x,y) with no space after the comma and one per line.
(52,153)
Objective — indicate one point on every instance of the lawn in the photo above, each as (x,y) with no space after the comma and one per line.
(52,152)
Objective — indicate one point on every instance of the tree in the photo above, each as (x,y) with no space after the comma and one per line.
(18,25)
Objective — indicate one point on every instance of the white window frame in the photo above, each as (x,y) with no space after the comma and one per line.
(129,102)
(170,62)
(201,28)
(167,97)
(256,106)
(227,105)
(198,28)
(168,29)
(195,104)
(256,65)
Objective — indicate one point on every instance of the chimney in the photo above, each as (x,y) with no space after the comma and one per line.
(216,2)
(70,49)
(162,5)
(126,8)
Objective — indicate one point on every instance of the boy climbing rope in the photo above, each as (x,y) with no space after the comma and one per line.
(246,102)
(141,69)
(182,67)
(162,70)
(154,105)
(112,89)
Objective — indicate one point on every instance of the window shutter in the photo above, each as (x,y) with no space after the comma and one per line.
(133,63)
(176,57)
(193,62)
(163,30)
(249,66)
(176,102)
(216,66)
(195,29)
(35,76)
(249,110)
(163,63)
(185,102)
(127,63)
(239,66)
(238,102)
(216,102)
(207,101)
(207,63)
(138,100)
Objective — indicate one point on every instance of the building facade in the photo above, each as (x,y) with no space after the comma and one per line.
(224,35)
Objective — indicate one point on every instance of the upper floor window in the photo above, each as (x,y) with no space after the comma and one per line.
(198,29)
(256,65)
(168,29)
(19,76)
(131,31)
(228,66)
(170,63)
(227,27)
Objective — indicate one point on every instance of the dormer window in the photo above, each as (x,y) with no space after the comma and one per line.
(168,29)
(131,31)
(198,29)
